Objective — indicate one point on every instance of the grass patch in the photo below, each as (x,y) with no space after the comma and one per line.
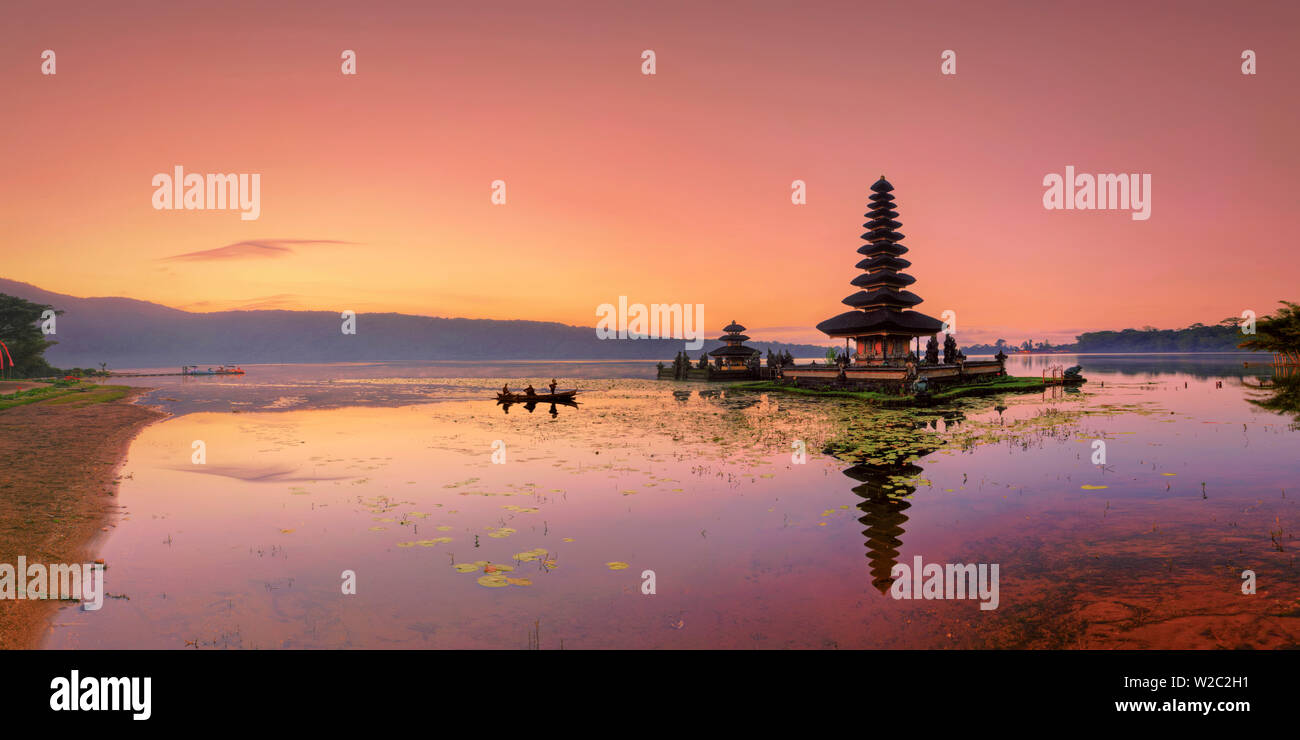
(1007,384)
(31,395)
(73,396)
(88,396)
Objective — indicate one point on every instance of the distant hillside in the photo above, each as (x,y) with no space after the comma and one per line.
(128,333)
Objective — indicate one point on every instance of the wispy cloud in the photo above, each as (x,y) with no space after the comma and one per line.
(288,301)
(249,249)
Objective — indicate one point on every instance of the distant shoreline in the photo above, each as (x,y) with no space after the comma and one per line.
(1227,353)
(666,360)
(61,460)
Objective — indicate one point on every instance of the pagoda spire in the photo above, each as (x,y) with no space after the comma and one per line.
(883,277)
(882,321)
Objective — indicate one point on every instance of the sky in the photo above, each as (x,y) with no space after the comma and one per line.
(376,188)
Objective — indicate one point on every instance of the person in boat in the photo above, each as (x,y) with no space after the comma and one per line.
(505,389)
(529,391)
(553,384)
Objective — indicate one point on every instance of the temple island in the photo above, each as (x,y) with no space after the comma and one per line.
(882,334)
(879,331)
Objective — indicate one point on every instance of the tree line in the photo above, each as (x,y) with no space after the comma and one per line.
(1277,333)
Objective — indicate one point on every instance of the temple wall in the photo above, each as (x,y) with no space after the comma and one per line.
(715,374)
(891,379)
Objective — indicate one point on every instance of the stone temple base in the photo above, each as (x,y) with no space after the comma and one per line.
(891,379)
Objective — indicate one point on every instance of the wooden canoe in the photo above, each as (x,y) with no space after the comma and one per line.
(540,397)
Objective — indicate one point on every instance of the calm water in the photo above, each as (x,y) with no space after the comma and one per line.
(387,471)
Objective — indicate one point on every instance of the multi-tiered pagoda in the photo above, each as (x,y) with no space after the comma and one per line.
(733,354)
(882,324)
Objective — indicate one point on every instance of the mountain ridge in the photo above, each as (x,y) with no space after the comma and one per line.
(128,332)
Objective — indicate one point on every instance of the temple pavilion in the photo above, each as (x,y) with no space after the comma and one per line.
(882,324)
(733,354)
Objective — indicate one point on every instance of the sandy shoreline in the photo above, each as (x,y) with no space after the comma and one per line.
(58,490)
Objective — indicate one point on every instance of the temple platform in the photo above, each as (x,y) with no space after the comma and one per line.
(713,374)
(892,379)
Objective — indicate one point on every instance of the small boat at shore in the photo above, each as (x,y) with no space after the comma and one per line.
(222,370)
(538,397)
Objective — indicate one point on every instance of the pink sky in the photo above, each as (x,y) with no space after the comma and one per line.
(666,188)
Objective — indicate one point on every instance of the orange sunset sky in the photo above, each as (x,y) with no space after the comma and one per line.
(375,188)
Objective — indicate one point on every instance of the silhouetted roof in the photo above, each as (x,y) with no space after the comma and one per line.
(733,326)
(882,297)
(733,338)
(855,323)
(733,351)
(882,248)
(897,279)
(883,261)
(876,235)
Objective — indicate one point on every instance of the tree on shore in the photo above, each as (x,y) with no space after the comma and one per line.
(1278,333)
(21,333)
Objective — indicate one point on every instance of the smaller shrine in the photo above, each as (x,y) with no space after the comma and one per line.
(733,354)
(731,362)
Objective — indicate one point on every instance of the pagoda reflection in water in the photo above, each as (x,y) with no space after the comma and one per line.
(882,514)
(885,491)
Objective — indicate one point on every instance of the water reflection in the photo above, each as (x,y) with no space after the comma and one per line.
(244,552)
(882,507)
(885,489)
(531,406)
(1196,365)
(1280,393)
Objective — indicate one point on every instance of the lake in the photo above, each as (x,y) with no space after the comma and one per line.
(463,524)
